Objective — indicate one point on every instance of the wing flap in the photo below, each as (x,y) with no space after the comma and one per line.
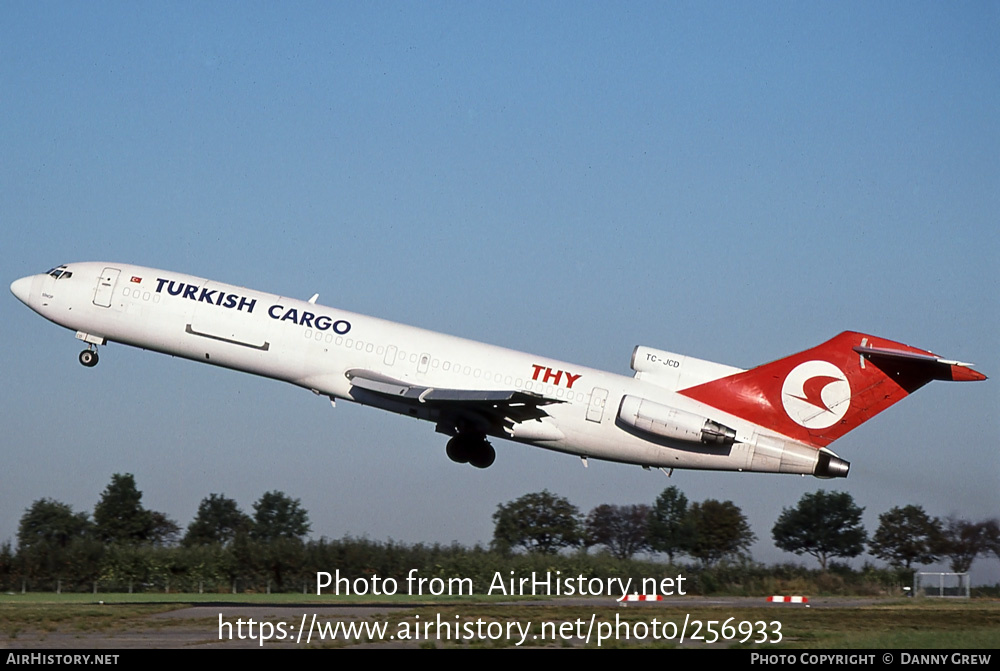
(511,404)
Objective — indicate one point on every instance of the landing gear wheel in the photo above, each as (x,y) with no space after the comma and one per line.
(483,456)
(471,449)
(458,450)
(89,358)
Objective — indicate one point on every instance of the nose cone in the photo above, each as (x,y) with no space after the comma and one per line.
(22,289)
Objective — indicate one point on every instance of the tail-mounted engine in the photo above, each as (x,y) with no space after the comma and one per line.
(666,422)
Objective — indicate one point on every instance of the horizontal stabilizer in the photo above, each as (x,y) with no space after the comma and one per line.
(919,366)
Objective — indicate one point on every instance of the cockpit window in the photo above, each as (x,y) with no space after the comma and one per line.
(60,273)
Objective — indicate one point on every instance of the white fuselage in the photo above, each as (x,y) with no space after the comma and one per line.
(315,347)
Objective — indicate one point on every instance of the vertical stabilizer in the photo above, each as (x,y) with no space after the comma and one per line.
(818,395)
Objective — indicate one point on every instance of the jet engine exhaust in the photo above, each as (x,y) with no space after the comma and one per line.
(829,466)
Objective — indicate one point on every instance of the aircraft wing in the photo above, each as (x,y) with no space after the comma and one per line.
(505,404)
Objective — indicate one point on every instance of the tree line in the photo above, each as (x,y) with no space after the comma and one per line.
(823,524)
(124,546)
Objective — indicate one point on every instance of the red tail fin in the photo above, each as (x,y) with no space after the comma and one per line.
(818,395)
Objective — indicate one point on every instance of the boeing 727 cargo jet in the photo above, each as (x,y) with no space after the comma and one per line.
(674,412)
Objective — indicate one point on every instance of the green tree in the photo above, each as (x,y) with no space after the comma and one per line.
(281,559)
(119,516)
(163,531)
(52,524)
(277,515)
(962,541)
(670,529)
(541,522)
(906,536)
(84,557)
(51,539)
(274,548)
(127,565)
(992,533)
(218,520)
(9,572)
(822,525)
(720,530)
(206,566)
(621,529)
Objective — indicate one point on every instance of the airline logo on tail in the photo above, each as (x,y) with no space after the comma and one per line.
(816,394)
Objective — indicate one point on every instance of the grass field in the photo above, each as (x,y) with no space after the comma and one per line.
(79,621)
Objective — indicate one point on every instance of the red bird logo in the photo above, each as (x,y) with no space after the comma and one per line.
(804,388)
(813,391)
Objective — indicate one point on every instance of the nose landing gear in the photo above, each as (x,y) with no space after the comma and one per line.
(88,357)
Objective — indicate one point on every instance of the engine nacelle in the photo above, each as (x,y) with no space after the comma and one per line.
(667,422)
(776,455)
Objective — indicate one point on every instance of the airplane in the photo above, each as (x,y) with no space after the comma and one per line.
(674,412)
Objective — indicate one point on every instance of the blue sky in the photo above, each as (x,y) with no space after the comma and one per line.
(733,181)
